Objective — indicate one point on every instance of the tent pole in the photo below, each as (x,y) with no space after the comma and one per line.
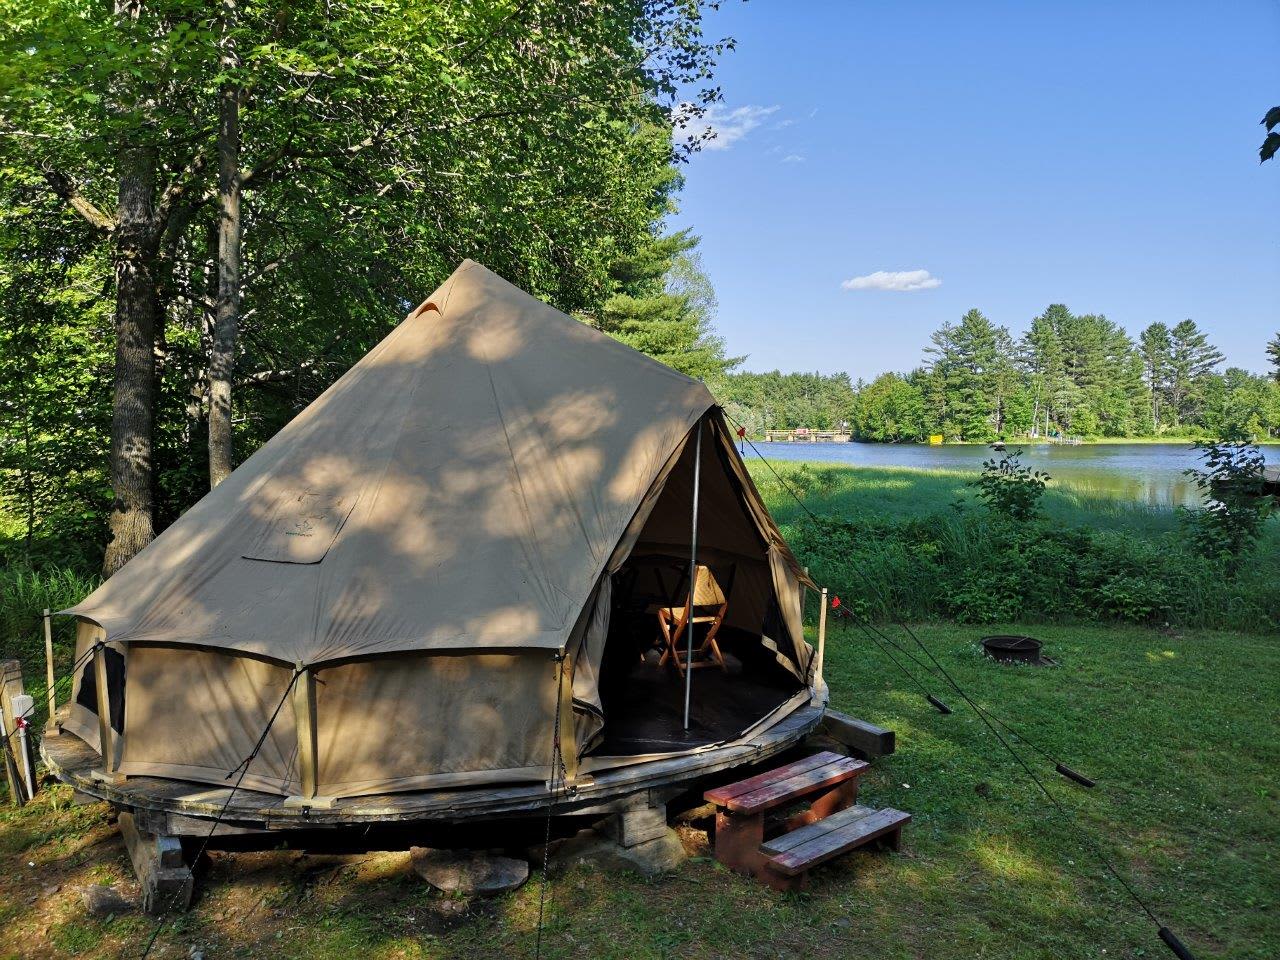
(51,728)
(106,736)
(693,571)
(822,639)
(304,712)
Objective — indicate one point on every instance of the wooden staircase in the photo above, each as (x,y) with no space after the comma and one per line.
(757,833)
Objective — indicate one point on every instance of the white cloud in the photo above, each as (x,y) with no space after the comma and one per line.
(793,158)
(897,280)
(726,127)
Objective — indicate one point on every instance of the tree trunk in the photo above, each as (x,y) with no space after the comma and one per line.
(222,352)
(132,524)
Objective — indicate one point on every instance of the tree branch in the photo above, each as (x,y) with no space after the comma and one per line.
(68,191)
(177,190)
(274,376)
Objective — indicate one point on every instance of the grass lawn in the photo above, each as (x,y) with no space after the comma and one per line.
(1180,730)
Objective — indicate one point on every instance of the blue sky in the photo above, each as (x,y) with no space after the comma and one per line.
(1102,155)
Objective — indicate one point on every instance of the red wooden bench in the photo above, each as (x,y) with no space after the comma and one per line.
(832,823)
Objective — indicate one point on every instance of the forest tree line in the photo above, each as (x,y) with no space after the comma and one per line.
(1069,375)
(209,212)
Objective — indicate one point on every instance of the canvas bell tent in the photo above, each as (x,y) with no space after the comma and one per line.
(472,532)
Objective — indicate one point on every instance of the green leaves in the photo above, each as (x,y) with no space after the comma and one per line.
(382,144)
(1272,142)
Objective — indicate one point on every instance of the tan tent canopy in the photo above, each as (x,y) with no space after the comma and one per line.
(425,539)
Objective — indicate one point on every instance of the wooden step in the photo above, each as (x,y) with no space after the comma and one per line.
(792,782)
(803,849)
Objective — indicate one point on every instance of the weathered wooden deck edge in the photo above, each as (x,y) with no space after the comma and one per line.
(72,761)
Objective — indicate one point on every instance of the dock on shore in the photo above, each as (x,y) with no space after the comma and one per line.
(806,435)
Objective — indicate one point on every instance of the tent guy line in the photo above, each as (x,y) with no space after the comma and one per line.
(243,767)
(558,768)
(1167,936)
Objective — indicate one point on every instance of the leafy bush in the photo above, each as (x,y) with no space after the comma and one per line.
(1010,489)
(1235,509)
(804,480)
(980,568)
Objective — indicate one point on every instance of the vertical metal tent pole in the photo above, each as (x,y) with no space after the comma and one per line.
(693,571)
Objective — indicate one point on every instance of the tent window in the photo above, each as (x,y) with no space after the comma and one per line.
(88,696)
(301,527)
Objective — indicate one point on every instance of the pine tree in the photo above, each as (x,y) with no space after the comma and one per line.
(1191,358)
(1273,354)
(664,306)
(1156,349)
(1043,358)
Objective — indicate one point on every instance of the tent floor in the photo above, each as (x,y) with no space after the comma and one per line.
(646,715)
(184,808)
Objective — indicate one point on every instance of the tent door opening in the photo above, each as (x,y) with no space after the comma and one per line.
(736,678)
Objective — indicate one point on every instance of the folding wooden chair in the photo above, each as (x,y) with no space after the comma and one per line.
(706,604)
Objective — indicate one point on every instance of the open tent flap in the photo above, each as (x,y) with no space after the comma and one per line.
(81,716)
(762,628)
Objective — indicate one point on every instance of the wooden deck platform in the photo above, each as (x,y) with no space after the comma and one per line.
(180,807)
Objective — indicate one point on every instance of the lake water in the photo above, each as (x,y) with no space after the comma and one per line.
(1144,472)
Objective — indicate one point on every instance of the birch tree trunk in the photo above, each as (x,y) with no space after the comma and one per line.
(222,352)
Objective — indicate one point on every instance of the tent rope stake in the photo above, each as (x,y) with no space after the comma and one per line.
(1166,936)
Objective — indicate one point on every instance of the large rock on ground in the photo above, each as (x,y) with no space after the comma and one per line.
(103,901)
(469,871)
(663,854)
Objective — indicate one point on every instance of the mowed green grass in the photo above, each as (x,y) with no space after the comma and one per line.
(1179,729)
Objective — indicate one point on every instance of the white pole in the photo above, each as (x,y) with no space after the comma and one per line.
(693,570)
(23,706)
(822,639)
(48,669)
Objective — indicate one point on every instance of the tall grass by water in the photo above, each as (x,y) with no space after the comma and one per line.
(914,544)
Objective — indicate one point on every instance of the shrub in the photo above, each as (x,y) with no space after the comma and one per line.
(993,569)
(1010,489)
(1235,509)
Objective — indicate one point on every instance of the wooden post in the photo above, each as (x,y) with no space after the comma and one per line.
(822,638)
(50,728)
(165,882)
(304,719)
(106,736)
(11,683)
(304,716)
(568,742)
